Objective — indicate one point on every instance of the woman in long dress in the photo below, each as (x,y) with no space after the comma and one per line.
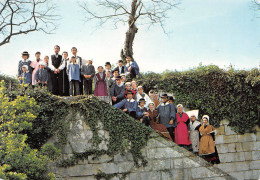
(207,147)
(101,85)
(155,124)
(182,137)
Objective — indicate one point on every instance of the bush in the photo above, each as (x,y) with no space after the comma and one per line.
(232,95)
(18,160)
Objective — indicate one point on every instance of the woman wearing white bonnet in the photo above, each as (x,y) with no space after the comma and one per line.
(194,134)
(207,147)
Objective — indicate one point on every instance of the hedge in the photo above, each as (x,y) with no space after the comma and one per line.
(222,94)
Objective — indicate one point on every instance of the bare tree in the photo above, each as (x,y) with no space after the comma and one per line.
(24,16)
(131,12)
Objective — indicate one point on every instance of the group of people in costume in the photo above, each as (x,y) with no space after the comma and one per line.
(66,76)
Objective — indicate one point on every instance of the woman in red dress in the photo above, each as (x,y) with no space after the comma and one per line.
(182,137)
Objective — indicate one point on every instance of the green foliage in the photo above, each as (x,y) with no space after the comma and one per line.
(18,160)
(232,95)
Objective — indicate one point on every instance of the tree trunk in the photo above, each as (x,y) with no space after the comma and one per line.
(130,34)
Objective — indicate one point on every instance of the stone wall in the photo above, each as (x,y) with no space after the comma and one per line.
(239,154)
(165,160)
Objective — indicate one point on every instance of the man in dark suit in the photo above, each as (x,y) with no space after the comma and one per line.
(57,66)
(120,68)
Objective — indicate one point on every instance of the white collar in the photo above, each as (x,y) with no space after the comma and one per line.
(130,100)
(162,104)
(26,60)
(141,107)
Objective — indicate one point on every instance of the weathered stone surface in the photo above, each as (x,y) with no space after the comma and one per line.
(256,155)
(220,139)
(157,153)
(252,174)
(239,147)
(101,159)
(255,164)
(234,166)
(220,130)
(224,122)
(251,146)
(230,139)
(247,137)
(232,157)
(202,172)
(229,130)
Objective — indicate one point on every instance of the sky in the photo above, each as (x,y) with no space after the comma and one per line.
(219,32)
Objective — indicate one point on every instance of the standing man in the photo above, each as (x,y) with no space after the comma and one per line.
(88,72)
(74,52)
(167,116)
(57,66)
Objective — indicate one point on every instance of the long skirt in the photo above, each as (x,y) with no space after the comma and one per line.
(213,158)
(161,130)
(182,135)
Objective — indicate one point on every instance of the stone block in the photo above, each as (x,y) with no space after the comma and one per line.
(256,155)
(248,156)
(230,139)
(202,172)
(231,147)
(124,167)
(252,174)
(153,143)
(220,139)
(220,130)
(247,137)
(238,175)
(161,164)
(232,157)
(157,153)
(224,122)
(258,136)
(234,166)
(222,148)
(251,146)
(189,163)
(229,130)
(152,175)
(239,147)
(255,165)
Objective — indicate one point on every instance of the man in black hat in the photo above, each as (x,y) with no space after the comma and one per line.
(142,113)
(128,105)
(57,66)
(167,115)
(25,61)
(171,101)
(117,91)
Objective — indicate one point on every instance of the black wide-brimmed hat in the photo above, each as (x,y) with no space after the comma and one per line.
(164,96)
(142,100)
(118,77)
(129,92)
(107,63)
(25,53)
(170,98)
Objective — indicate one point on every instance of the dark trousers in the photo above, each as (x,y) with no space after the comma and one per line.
(132,73)
(117,101)
(171,131)
(57,83)
(81,85)
(132,114)
(74,84)
(87,86)
(146,120)
(41,84)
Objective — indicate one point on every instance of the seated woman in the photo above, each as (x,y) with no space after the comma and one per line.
(182,137)
(131,67)
(207,147)
(155,124)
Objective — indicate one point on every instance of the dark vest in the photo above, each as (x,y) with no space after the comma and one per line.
(56,62)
